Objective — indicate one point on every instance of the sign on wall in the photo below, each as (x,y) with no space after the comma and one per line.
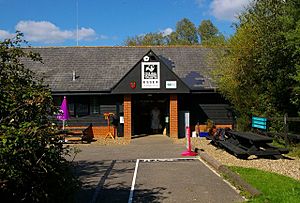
(171,84)
(150,75)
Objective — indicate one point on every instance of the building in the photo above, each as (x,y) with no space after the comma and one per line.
(130,82)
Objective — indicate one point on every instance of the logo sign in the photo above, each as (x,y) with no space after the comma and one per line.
(171,84)
(150,75)
(133,85)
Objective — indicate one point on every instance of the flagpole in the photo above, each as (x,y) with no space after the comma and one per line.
(77,31)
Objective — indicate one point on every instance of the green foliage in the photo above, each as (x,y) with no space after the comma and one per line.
(185,34)
(275,187)
(207,30)
(292,19)
(294,151)
(147,40)
(209,34)
(32,166)
(256,73)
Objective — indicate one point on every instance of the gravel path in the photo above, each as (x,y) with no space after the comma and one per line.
(288,167)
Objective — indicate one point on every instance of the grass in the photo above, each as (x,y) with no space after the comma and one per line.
(275,187)
(294,149)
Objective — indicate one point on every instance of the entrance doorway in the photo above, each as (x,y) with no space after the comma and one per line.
(149,114)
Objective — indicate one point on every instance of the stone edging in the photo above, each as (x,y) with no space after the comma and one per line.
(233,177)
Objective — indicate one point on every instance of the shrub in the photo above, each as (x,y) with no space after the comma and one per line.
(32,164)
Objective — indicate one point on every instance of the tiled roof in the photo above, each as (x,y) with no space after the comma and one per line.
(100,68)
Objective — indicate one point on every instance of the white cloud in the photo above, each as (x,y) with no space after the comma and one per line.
(227,9)
(47,32)
(166,31)
(87,34)
(5,35)
(43,31)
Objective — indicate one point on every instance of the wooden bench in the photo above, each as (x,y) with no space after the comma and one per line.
(237,151)
(77,134)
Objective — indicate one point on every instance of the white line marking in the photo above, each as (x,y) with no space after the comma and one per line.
(167,160)
(133,181)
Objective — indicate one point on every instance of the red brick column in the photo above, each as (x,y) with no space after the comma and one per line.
(127,117)
(173,116)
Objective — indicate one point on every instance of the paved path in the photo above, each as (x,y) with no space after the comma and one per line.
(107,174)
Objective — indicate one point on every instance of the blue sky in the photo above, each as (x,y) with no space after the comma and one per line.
(108,22)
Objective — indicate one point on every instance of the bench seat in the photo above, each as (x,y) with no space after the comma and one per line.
(237,151)
(76,134)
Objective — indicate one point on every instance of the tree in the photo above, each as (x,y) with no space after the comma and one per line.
(134,41)
(256,72)
(207,30)
(185,34)
(146,40)
(293,37)
(172,39)
(32,166)
(209,34)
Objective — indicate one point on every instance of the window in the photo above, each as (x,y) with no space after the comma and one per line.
(95,106)
(71,107)
(82,109)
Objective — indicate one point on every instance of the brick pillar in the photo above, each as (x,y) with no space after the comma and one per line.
(173,116)
(127,117)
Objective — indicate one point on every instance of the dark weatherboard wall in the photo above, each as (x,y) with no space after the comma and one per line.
(131,83)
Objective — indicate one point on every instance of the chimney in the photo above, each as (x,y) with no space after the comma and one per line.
(74,75)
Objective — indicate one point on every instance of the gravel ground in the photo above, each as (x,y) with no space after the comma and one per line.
(116,141)
(289,166)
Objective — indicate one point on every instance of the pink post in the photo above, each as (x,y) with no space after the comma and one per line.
(189,151)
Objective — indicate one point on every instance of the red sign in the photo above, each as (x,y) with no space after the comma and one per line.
(133,85)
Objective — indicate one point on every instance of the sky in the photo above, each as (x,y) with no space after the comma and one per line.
(108,22)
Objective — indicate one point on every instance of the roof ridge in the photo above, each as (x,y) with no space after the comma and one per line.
(102,47)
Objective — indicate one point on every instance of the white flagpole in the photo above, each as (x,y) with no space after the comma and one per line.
(77,34)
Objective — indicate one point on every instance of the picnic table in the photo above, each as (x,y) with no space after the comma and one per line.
(244,144)
(250,137)
(75,135)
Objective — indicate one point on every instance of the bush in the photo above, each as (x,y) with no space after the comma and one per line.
(243,123)
(32,166)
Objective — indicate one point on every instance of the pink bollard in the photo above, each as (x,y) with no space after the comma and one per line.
(189,151)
